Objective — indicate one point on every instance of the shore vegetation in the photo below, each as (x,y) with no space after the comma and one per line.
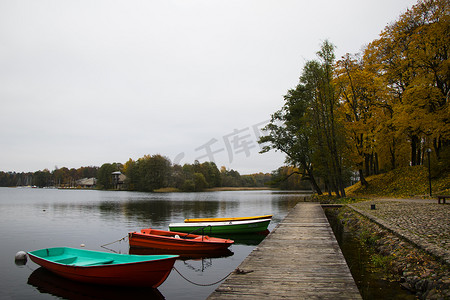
(380,110)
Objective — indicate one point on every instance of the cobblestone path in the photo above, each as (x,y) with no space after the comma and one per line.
(426,224)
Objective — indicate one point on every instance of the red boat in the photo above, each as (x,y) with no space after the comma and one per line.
(105,268)
(178,241)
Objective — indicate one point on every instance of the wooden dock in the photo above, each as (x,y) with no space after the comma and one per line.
(299,259)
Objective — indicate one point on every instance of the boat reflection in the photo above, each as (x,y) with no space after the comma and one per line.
(183,254)
(48,283)
(250,239)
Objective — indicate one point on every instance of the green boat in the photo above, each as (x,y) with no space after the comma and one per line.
(234,227)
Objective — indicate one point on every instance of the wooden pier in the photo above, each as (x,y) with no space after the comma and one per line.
(299,259)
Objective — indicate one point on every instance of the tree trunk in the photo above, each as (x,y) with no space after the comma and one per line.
(311,178)
(367,164)
(342,191)
(420,156)
(314,183)
(392,151)
(336,187)
(327,187)
(414,142)
(376,165)
(362,178)
(437,147)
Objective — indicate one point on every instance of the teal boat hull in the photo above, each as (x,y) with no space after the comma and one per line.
(236,227)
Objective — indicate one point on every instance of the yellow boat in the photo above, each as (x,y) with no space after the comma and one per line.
(227,219)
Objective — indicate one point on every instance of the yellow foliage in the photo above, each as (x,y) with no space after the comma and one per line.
(395,96)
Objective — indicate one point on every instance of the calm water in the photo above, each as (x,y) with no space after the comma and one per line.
(31,219)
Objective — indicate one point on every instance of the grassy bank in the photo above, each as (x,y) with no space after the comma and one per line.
(408,182)
(402,183)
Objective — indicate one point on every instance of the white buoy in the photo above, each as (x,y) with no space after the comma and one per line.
(21,258)
(82,245)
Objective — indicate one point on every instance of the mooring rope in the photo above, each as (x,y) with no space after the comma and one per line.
(119,240)
(190,281)
(199,284)
(32,270)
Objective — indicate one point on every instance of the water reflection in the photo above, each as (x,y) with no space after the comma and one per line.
(245,239)
(158,209)
(183,255)
(159,212)
(48,283)
(198,265)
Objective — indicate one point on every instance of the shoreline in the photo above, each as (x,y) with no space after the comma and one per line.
(220,189)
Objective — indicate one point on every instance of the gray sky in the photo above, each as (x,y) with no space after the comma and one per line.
(87,82)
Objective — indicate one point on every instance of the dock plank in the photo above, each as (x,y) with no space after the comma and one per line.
(299,259)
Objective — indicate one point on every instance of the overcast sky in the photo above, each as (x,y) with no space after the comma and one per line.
(90,82)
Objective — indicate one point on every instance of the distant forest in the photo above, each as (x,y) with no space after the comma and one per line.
(152,173)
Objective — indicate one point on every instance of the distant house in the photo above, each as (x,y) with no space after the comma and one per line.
(118,180)
(87,182)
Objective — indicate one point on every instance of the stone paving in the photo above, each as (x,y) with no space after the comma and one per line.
(423,223)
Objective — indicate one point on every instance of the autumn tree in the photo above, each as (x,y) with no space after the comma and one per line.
(359,91)
(411,55)
(61,176)
(130,171)
(306,129)
(87,172)
(327,134)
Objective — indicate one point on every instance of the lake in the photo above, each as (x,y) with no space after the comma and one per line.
(32,219)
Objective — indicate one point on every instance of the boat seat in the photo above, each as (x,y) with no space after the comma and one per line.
(202,238)
(66,259)
(93,262)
